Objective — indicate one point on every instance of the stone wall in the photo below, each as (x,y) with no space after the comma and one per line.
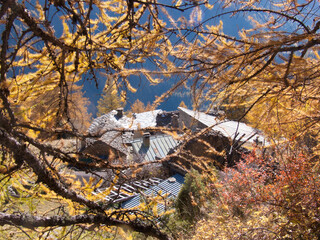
(168,119)
(198,151)
(103,151)
(187,121)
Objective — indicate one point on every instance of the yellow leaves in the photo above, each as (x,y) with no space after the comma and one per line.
(155,210)
(71,206)
(279,4)
(150,203)
(173,134)
(102,194)
(46,192)
(114,92)
(123,96)
(225,207)
(40,10)
(125,235)
(178,3)
(30,86)
(40,63)
(208,5)
(130,88)
(126,72)
(148,76)
(243,34)
(32,134)
(66,32)
(287,5)
(195,16)
(261,25)
(106,19)
(216,28)
(315,52)
(222,225)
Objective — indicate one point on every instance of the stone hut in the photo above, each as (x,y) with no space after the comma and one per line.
(235,131)
(111,133)
(107,137)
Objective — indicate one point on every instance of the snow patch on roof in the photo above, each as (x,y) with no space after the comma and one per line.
(108,128)
(226,127)
(110,121)
(146,119)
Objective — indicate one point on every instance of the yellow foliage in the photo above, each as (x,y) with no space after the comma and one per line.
(222,225)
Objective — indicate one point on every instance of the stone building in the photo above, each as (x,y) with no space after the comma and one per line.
(222,144)
(235,131)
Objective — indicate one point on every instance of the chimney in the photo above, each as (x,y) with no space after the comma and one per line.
(119,113)
(146,139)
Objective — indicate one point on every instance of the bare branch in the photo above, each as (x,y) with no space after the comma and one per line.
(32,222)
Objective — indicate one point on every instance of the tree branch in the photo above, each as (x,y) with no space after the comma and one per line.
(22,153)
(29,221)
(32,23)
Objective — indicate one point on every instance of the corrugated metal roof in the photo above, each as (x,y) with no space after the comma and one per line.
(120,193)
(159,147)
(170,187)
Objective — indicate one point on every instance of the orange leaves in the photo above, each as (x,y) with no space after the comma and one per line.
(287,184)
(280,195)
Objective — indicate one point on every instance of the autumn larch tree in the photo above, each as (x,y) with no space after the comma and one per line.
(271,69)
(139,107)
(48,48)
(110,100)
(182,104)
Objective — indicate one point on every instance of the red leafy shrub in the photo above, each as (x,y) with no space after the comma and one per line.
(288,186)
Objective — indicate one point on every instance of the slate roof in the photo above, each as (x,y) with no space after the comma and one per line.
(170,186)
(145,119)
(111,121)
(227,128)
(103,128)
(159,147)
